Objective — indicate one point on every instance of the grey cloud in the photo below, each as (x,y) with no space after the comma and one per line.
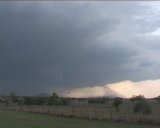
(46,46)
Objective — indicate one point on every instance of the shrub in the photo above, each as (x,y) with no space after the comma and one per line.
(117,102)
(136,98)
(142,106)
(100,100)
(157,98)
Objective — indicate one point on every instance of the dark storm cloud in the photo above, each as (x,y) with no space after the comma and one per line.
(46,46)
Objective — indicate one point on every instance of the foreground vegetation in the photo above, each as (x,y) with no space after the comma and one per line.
(137,110)
(11,119)
(104,112)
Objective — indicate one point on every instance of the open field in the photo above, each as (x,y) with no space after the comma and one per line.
(95,112)
(11,119)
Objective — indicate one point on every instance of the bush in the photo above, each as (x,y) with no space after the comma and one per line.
(101,100)
(136,98)
(142,106)
(56,100)
(28,100)
(64,101)
(157,98)
(117,102)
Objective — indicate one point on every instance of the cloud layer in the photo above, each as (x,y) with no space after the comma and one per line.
(58,46)
(149,88)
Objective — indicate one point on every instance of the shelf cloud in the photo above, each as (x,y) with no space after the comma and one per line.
(126,89)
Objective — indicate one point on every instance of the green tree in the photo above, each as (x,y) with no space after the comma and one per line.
(64,101)
(21,101)
(28,101)
(117,102)
(13,97)
(6,102)
(136,98)
(157,98)
(55,95)
(141,106)
(54,99)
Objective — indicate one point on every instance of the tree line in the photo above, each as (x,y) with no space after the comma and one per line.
(54,99)
(140,103)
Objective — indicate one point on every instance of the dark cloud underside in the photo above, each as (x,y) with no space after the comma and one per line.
(59,46)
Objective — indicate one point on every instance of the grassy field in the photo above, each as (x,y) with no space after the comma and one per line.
(96,111)
(81,112)
(11,119)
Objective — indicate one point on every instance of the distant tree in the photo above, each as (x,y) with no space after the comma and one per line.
(157,98)
(13,97)
(54,99)
(21,101)
(40,100)
(136,98)
(6,102)
(64,101)
(2,99)
(141,106)
(100,100)
(92,101)
(28,100)
(117,102)
(55,95)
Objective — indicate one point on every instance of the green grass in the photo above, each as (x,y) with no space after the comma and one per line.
(11,119)
(96,111)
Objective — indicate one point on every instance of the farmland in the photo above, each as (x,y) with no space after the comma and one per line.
(87,110)
(12,119)
(101,112)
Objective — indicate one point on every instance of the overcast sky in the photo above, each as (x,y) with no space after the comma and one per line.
(60,46)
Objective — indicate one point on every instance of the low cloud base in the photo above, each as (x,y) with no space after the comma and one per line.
(148,88)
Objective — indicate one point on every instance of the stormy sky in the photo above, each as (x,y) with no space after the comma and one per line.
(60,46)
